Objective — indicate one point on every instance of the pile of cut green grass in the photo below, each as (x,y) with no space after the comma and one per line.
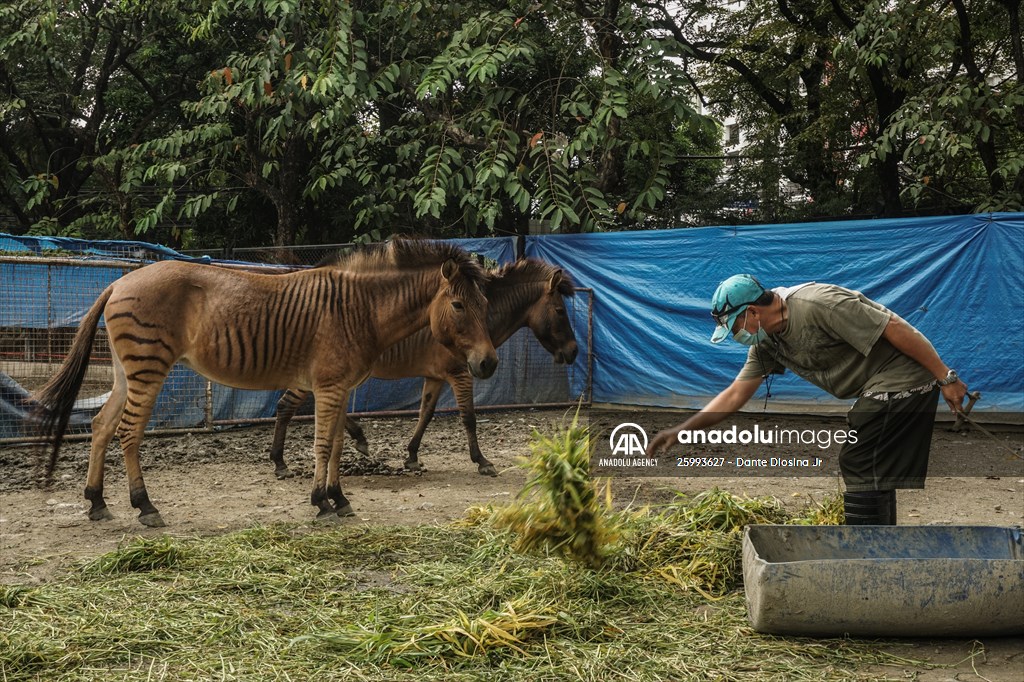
(557,586)
(396,603)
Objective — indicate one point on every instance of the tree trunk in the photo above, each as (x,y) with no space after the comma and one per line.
(609,44)
(285,190)
(986,147)
(287,222)
(888,100)
(1013,9)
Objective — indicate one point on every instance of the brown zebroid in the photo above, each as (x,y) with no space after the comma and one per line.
(319,330)
(526,293)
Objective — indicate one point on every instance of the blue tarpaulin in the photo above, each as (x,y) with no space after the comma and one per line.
(29,287)
(958,279)
(29,292)
(46,246)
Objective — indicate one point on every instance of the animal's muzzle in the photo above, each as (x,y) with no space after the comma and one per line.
(484,367)
(567,356)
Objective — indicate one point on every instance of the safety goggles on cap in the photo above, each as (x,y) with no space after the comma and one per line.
(722,316)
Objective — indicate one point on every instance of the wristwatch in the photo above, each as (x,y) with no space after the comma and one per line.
(951,378)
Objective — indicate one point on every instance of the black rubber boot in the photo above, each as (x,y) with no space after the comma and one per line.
(872,508)
(893,517)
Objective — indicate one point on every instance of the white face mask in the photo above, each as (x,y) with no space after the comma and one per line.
(748,339)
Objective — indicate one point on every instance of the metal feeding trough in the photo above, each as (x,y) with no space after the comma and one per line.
(884,581)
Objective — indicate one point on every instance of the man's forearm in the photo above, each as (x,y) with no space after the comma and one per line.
(722,405)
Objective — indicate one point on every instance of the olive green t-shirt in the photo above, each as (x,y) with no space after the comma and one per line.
(834,340)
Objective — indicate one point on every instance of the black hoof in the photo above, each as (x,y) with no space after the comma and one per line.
(283,473)
(346,511)
(326,516)
(363,448)
(487,469)
(152,520)
(100,514)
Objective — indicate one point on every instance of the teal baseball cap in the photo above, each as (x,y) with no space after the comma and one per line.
(731,298)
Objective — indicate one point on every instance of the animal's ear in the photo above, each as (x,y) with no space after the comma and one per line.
(554,281)
(449,269)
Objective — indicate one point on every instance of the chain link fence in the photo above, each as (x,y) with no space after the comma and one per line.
(271,255)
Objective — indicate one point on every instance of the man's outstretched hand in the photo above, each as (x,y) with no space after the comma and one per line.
(663,440)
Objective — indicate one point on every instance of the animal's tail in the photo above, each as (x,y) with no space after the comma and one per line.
(57,398)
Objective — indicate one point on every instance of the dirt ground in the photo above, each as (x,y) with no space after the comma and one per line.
(210,483)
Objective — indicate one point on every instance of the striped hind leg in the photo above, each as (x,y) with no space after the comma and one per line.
(104,424)
(355,429)
(428,403)
(341,503)
(287,406)
(143,388)
(462,386)
(330,406)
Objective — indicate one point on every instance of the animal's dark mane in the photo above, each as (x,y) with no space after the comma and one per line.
(405,253)
(529,270)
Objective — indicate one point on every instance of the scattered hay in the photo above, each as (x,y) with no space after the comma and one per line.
(462,602)
(401,644)
(140,554)
(13,596)
(693,544)
(277,604)
(828,512)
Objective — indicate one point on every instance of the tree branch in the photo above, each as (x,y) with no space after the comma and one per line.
(965,46)
(841,14)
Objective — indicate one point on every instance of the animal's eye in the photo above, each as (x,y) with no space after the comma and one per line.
(457,305)
(560,311)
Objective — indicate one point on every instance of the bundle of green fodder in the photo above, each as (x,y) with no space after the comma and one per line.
(693,543)
(561,509)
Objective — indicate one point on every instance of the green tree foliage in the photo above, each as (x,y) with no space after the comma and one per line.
(350,120)
(281,99)
(241,122)
(863,104)
(540,96)
(514,115)
(76,81)
(958,133)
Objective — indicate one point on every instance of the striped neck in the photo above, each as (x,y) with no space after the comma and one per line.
(509,304)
